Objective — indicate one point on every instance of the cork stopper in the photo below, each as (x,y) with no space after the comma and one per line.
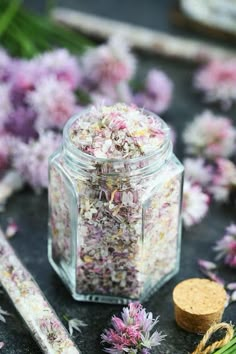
(198,303)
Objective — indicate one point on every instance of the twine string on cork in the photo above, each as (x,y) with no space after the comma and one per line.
(202,349)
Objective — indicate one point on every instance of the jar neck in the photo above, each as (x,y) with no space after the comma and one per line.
(80,162)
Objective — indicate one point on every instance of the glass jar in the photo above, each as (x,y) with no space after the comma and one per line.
(114,224)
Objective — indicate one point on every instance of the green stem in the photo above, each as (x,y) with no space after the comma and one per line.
(227,347)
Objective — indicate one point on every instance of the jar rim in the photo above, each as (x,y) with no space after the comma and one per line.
(68,144)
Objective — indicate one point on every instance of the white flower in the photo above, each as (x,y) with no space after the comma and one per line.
(195,203)
(75,324)
(197,171)
(210,135)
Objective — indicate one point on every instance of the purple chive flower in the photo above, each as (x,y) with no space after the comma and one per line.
(31,160)
(53,102)
(226,247)
(26,74)
(61,64)
(158,92)
(21,122)
(132,332)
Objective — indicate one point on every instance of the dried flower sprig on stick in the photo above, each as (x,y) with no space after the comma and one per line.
(29,301)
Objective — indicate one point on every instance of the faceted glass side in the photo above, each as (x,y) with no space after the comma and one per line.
(114,239)
(62,221)
(159,258)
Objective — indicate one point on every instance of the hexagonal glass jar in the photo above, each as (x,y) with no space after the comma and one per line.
(114,225)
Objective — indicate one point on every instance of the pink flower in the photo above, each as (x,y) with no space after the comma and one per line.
(231,286)
(217,80)
(195,203)
(31,160)
(109,64)
(210,135)
(197,171)
(132,333)
(2,345)
(53,102)
(224,180)
(62,64)
(226,247)
(157,94)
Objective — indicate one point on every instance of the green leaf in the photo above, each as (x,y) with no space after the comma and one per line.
(8,15)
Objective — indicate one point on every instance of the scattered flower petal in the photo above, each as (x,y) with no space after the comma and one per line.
(2,314)
(207,265)
(231,286)
(12,229)
(212,276)
(75,324)
(233,297)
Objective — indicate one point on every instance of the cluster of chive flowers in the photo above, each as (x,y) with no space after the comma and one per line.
(134,332)
(39,95)
(210,173)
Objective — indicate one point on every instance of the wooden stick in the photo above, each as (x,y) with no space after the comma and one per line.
(31,304)
(142,38)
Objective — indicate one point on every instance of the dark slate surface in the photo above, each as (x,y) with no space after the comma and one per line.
(30,211)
